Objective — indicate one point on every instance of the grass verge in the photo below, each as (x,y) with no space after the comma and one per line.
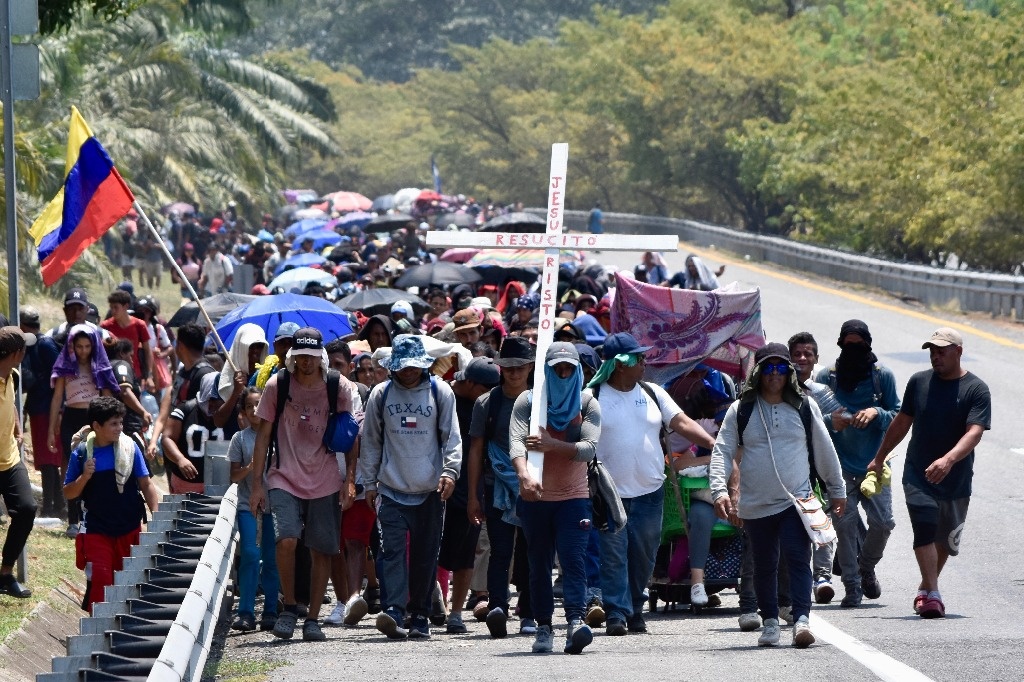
(51,557)
(241,671)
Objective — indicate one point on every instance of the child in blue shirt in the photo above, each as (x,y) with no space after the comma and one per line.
(107,470)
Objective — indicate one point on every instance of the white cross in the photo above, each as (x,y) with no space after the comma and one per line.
(552,240)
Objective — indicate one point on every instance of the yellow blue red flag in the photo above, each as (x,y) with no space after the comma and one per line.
(94,197)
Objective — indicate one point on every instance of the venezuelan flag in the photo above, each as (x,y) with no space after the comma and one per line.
(94,197)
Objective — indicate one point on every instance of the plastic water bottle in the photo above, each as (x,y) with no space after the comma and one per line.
(826,399)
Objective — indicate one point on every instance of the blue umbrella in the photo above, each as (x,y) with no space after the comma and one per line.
(321,238)
(304,225)
(270,312)
(303,259)
(299,277)
(265,236)
(354,219)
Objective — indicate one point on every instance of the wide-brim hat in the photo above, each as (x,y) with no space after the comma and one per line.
(407,351)
(516,351)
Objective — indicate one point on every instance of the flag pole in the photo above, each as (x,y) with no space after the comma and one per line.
(181,276)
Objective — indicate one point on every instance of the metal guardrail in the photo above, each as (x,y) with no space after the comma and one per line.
(998,295)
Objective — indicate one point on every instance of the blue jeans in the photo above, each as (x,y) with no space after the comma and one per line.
(854,548)
(249,569)
(409,574)
(563,527)
(701,519)
(627,557)
(768,536)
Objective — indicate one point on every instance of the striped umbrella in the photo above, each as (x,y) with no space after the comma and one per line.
(520,258)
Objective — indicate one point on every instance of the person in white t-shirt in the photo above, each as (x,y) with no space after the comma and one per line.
(218,272)
(630,448)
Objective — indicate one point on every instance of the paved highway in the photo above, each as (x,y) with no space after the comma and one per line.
(980,639)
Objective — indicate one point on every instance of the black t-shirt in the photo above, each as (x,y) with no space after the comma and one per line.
(464,413)
(942,411)
(196,429)
(125,374)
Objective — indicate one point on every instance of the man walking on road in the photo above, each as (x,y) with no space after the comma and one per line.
(630,447)
(410,459)
(305,486)
(868,392)
(949,409)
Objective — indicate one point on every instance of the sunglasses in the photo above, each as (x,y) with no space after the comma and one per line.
(781,369)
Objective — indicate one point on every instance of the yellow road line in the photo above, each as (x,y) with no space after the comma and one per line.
(939,322)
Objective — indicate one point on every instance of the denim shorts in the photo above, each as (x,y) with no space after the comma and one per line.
(317,522)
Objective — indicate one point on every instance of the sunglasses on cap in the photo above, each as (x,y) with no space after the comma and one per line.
(780,368)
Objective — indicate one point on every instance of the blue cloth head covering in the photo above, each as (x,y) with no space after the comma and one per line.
(564,397)
(67,363)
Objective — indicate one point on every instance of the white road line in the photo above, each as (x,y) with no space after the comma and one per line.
(1018,451)
(884,667)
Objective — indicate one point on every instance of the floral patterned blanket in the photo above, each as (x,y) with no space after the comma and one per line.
(719,328)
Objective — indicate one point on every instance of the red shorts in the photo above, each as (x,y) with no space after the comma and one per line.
(42,455)
(357,522)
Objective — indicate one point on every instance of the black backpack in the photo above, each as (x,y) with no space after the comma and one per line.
(806,417)
(284,381)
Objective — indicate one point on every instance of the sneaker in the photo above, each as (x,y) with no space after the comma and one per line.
(869,584)
(714,600)
(786,614)
(802,636)
(438,607)
(497,622)
(544,640)
(481,609)
(852,599)
(455,625)
(636,623)
(10,586)
(337,616)
(932,607)
(246,622)
(267,621)
(749,622)
(371,595)
(528,626)
(72,531)
(919,601)
(284,628)
(595,613)
(579,636)
(770,635)
(311,631)
(698,596)
(616,627)
(390,623)
(823,591)
(419,628)
(355,610)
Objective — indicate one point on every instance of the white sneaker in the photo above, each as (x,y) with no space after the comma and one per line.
(355,609)
(786,614)
(698,596)
(802,636)
(749,622)
(770,634)
(337,616)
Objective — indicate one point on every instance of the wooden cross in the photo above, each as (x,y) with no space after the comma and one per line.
(551,241)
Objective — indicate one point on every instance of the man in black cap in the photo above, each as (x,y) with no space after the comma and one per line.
(489,461)
(305,487)
(76,310)
(459,538)
(630,448)
(14,484)
(868,392)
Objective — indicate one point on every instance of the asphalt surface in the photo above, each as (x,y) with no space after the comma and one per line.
(980,639)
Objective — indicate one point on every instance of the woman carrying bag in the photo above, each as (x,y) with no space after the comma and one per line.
(774,469)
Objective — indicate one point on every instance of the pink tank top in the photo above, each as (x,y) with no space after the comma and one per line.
(80,389)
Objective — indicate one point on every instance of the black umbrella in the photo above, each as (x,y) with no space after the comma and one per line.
(456,219)
(217,306)
(388,222)
(441,272)
(515,222)
(495,274)
(379,301)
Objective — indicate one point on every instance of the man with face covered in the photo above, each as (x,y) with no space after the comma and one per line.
(868,392)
